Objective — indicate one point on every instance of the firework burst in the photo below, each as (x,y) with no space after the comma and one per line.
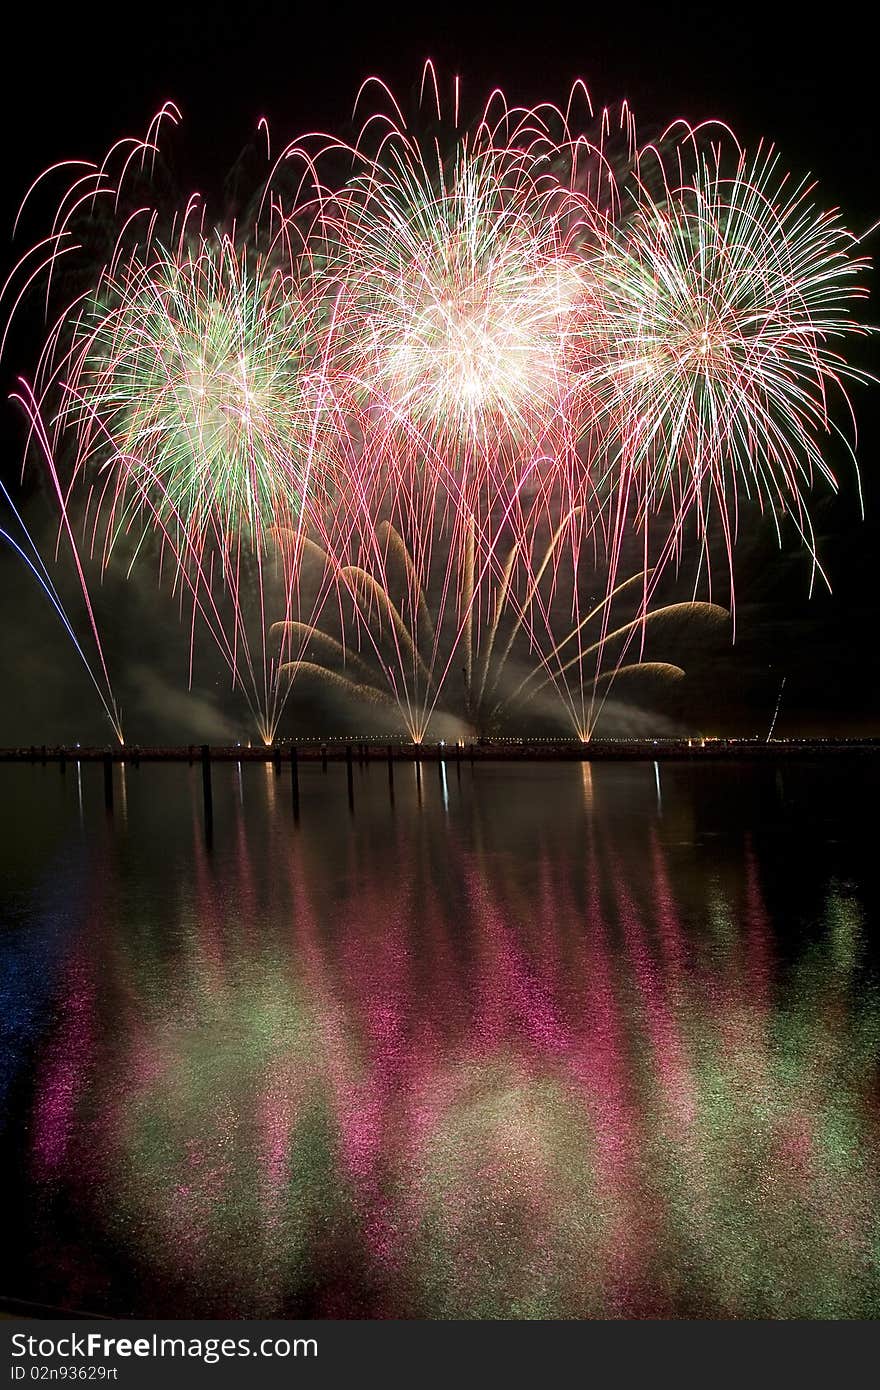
(462,289)
(463,305)
(725,297)
(194,382)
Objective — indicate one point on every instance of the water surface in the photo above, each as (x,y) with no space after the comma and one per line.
(517,1041)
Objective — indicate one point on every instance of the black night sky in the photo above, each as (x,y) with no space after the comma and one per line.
(805,77)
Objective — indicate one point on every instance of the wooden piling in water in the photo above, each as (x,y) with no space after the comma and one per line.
(207,791)
(294,780)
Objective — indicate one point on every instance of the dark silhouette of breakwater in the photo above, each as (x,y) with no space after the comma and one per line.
(495,750)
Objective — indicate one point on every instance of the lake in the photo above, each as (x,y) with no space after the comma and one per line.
(512,1040)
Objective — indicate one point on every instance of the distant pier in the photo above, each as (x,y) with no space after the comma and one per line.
(340,750)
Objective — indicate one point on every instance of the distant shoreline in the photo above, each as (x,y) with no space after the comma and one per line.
(495,750)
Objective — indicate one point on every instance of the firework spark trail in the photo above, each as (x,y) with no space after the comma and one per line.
(37,567)
(386,585)
(410,666)
(105,693)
